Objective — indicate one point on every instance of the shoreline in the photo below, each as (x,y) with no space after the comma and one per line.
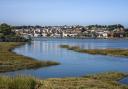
(10,61)
(116,38)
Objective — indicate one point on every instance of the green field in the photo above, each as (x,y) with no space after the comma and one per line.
(10,61)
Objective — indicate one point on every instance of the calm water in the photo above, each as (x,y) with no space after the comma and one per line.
(124,81)
(73,64)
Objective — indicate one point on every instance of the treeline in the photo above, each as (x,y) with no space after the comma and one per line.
(7,35)
(108,27)
(26,27)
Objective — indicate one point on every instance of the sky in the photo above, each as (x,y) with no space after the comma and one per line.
(64,12)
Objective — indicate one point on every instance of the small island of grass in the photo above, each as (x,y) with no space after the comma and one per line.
(112,52)
(10,61)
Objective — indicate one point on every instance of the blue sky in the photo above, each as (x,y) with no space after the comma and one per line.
(64,12)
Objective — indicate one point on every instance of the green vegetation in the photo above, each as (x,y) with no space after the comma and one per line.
(98,81)
(7,35)
(108,27)
(113,52)
(17,83)
(10,61)
(5,29)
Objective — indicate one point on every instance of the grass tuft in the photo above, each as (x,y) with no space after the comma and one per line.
(17,83)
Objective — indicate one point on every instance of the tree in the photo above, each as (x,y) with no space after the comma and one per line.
(5,29)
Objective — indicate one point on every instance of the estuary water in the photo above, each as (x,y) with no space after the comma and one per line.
(73,64)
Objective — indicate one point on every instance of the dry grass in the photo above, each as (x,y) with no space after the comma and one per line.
(99,81)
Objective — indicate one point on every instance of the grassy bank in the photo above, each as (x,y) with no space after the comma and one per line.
(98,81)
(113,52)
(9,61)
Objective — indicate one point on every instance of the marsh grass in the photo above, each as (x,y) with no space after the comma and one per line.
(112,52)
(18,82)
(98,81)
(10,61)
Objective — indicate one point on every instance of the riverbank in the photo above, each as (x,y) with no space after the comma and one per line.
(116,38)
(97,81)
(111,52)
(10,61)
